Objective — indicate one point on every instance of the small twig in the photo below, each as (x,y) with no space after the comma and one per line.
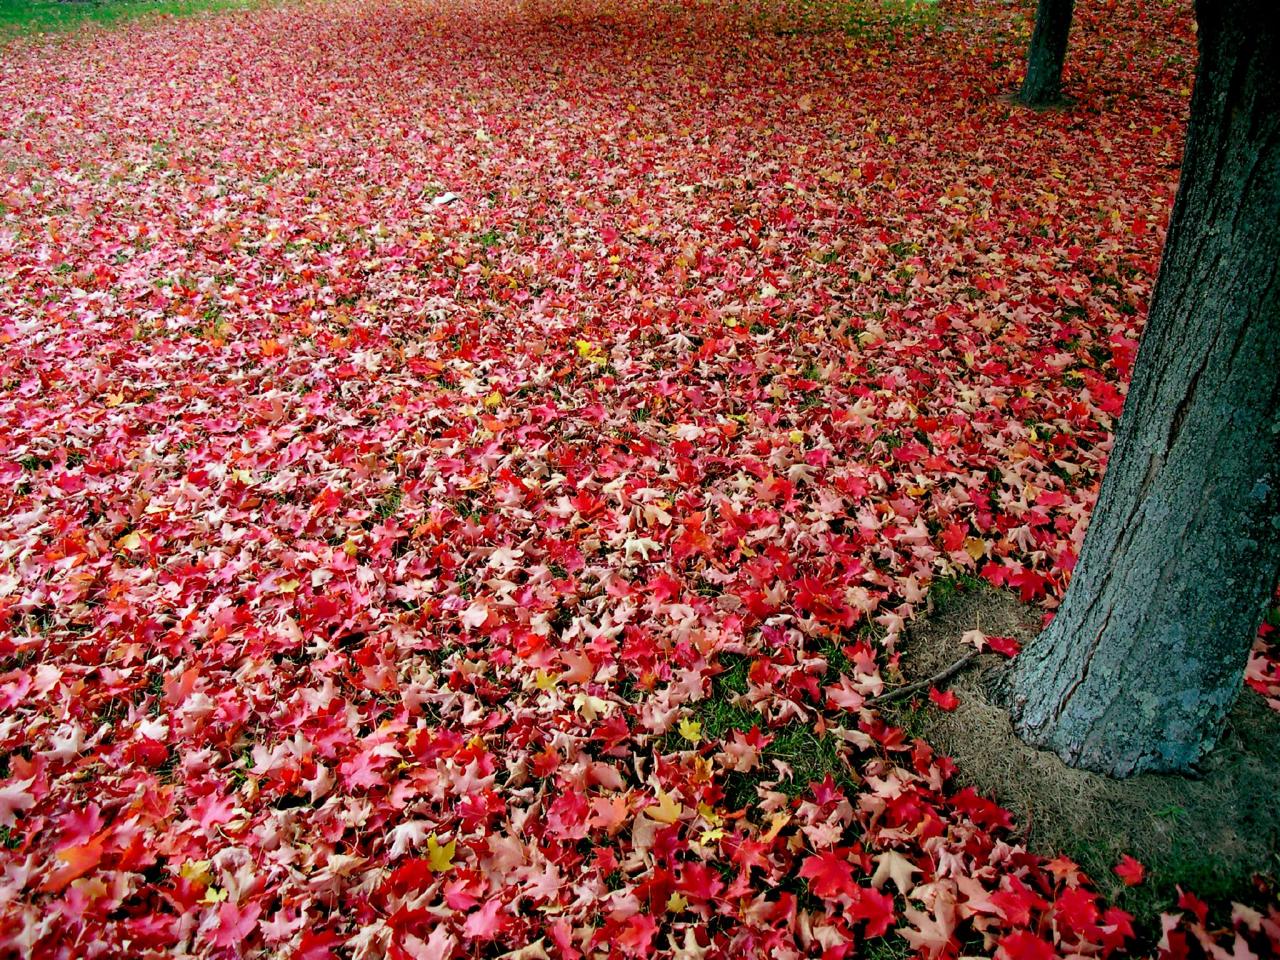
(918,685)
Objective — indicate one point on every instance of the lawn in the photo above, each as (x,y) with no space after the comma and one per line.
(18,17)
(466,465)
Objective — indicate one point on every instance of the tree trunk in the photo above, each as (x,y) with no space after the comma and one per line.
(1042,86)
(1144,659)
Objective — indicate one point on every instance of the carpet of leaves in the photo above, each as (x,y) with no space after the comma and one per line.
(411,413)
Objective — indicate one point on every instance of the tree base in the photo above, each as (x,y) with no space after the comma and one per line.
(1061,104)
(1210,833)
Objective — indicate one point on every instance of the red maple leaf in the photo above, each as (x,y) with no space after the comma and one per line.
(1025,945)
(876,908)
(830,873)
(1131,871)
(944,700)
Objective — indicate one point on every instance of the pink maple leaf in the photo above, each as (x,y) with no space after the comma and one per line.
(233,924)
(485,923)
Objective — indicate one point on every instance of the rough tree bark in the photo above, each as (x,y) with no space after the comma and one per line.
(1146,655)
(1042,86)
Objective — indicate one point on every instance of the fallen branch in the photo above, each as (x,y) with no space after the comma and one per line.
(918,685)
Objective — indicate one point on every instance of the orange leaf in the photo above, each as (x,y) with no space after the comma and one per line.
(76,862)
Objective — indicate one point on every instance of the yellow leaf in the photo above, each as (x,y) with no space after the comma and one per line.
(545,681)
(197,871)
(676,903)
(493,400)
(288,586)
(590,352)
(975,548)
(91,888)
(440,858)
(780,820)
(244,476)
(591,707)
(796,436)
(711,836)
(668,809)
(691,730)
(130,542)
(214,895)
(114,399)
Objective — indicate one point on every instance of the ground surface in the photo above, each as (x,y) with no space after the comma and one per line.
(465,467)
(1213,833)
(20,17)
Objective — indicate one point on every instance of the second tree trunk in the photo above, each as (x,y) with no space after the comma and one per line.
(1043,84)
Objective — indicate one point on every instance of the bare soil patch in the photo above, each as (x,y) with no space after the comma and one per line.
(1217,833)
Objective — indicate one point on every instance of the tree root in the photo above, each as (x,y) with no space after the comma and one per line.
(915,687)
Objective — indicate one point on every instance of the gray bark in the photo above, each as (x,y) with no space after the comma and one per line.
(1042,86)
(1146,655)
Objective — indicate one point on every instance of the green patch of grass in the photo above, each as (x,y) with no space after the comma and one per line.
(890,947)
(837,660)
(390,503)
(720,718)
(1183,867)
(32,463)
(812,758)
(18,17)
(734,678)
(912,715)
(878,20)
(944,591)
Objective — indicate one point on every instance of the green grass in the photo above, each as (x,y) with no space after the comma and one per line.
(21,17)
(811,757)
(874,21)
(390,503)
(870,18)
(944,591)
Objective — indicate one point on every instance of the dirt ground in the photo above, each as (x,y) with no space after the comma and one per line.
(1215,833)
